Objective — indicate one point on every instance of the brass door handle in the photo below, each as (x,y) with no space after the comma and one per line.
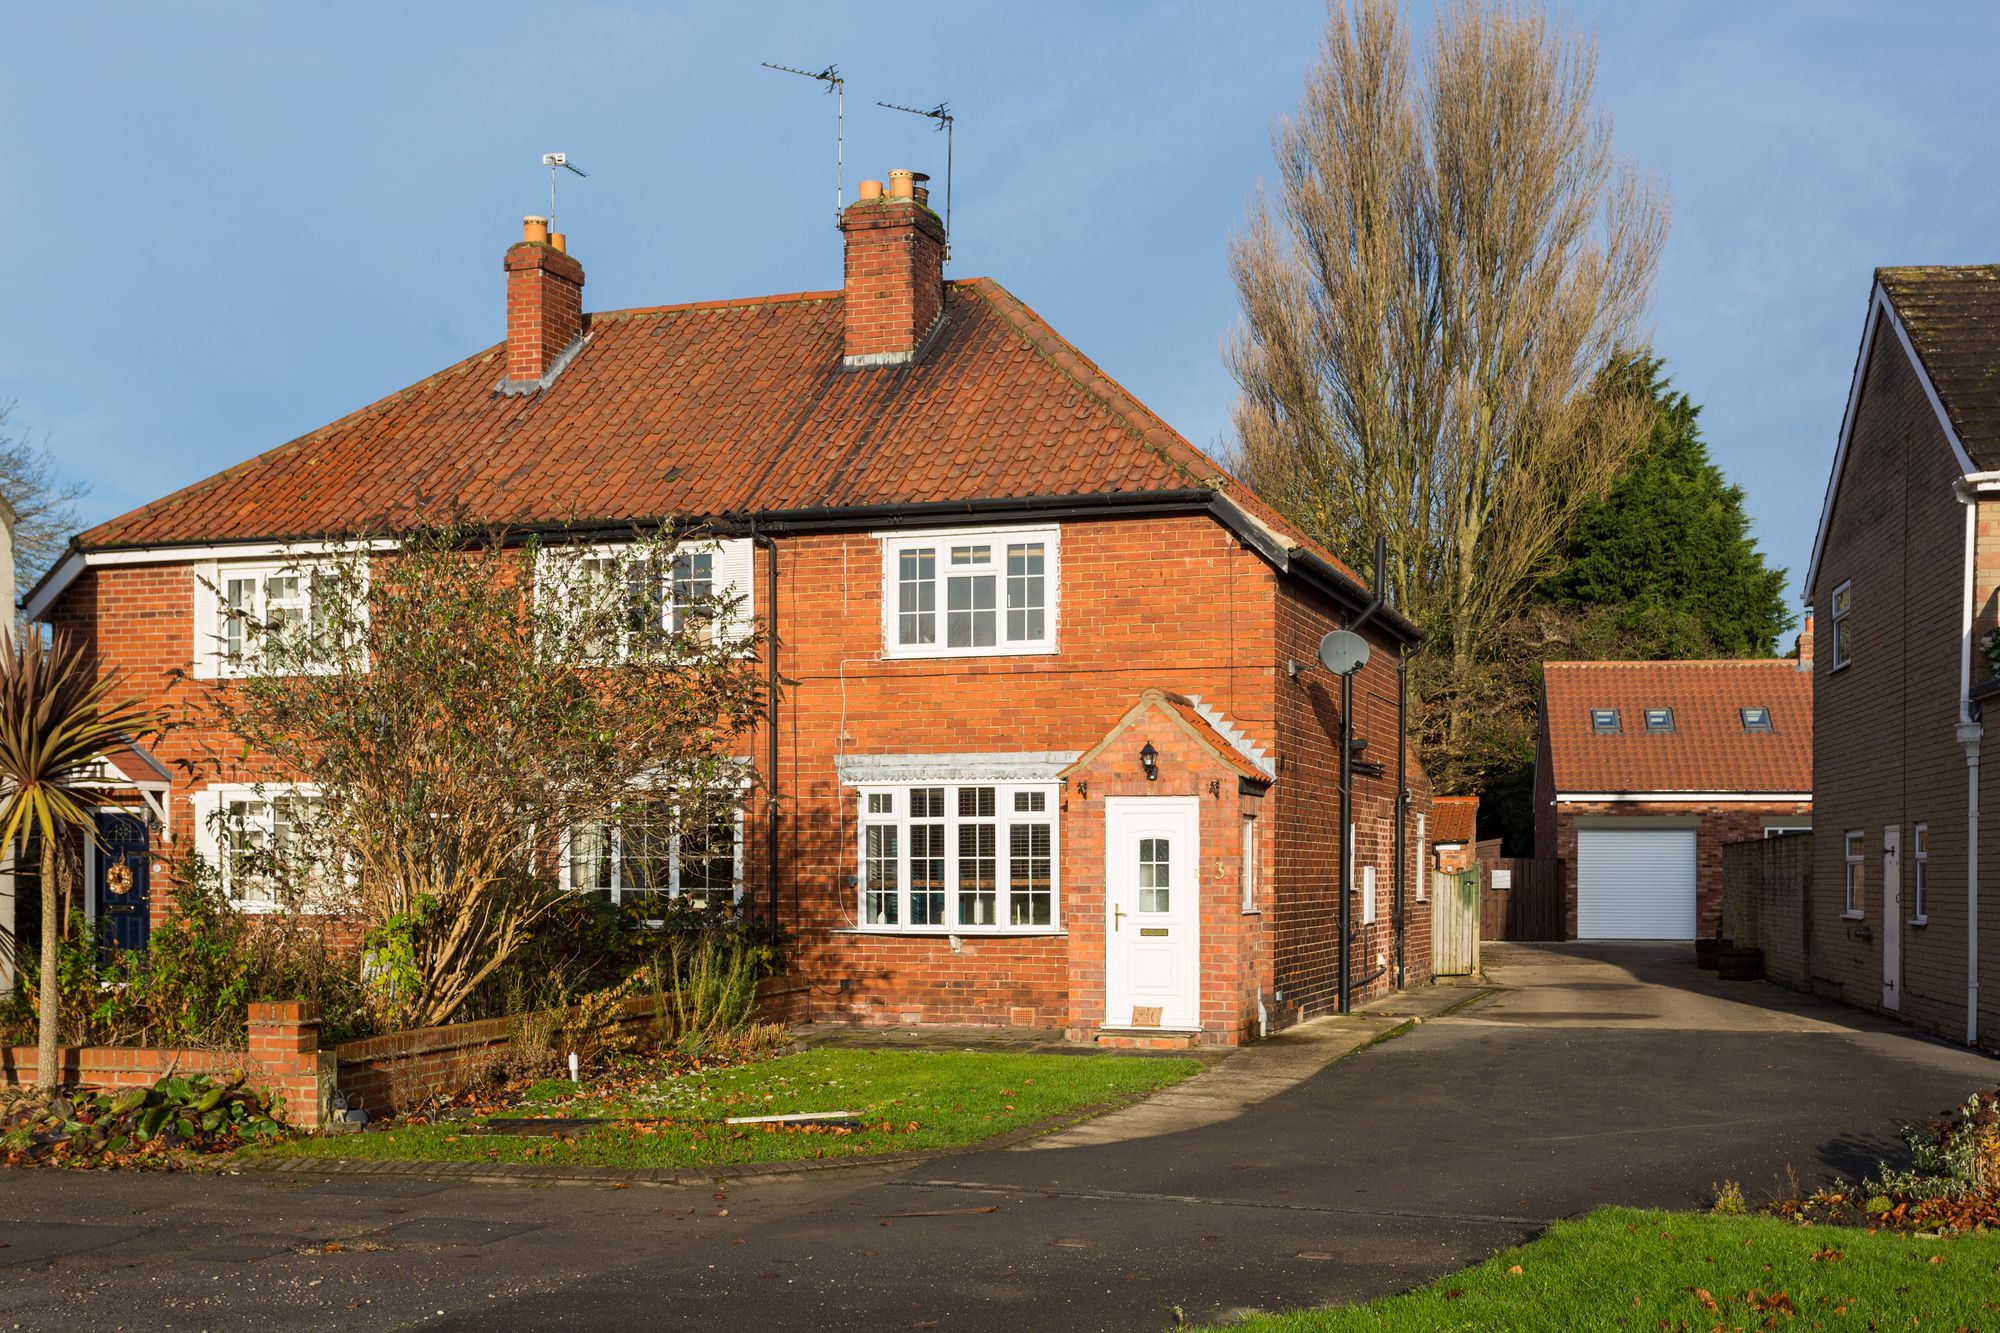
(1117,918)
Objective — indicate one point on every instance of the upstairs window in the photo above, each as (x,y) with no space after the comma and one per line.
(1843,629)
(1756,719)
(970,594)
(1659,719)
(274,617)
(704,585)
(1604,721)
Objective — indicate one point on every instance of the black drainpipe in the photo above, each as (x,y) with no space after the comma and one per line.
(1402,801)
(771,719)
(1347,786)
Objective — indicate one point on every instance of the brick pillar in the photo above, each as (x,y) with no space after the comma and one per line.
(285,1052)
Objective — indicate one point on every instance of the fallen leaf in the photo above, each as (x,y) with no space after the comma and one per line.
(1514,1271)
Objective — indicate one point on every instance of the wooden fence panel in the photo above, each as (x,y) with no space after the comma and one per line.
(1523,899)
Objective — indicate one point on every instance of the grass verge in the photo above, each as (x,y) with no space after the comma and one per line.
(1620,1268)
(909,1100)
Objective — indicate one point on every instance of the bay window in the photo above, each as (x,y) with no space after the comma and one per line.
(970,594)
(962,857)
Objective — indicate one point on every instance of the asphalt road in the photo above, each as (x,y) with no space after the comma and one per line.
(1596,1075)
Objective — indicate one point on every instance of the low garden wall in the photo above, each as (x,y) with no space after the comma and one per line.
(1767,903)
(311,1085)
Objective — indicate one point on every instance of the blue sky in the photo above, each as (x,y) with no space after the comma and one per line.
(233,223)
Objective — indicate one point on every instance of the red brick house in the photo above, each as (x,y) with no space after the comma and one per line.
(1905,576)
(1045,753)
(1644,770)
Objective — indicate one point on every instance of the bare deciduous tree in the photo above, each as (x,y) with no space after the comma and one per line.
(44,500)
(1433,304)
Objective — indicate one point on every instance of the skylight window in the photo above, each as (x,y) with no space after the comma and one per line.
(1756,719)
(1659,719)
(1604,721)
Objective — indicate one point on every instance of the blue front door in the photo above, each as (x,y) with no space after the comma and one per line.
(122,881)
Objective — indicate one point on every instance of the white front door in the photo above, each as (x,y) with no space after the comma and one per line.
(1152,949)
(1892,917)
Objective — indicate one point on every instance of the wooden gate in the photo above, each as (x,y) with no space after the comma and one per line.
(1455,923)
(1523,900)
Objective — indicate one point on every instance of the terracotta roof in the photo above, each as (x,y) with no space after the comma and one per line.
(1708,750)
(707,410)
(1453,818)
(1953,319)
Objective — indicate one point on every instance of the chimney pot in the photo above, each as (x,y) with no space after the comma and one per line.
(535,230)
(560,241)
(902,184)
(870,190)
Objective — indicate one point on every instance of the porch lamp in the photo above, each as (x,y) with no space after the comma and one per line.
(1149,759)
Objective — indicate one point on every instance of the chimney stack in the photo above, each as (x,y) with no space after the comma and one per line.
(1805,651)
(894,284)
(544,306)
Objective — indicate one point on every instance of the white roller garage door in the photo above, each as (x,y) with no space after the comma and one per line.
(1635,884)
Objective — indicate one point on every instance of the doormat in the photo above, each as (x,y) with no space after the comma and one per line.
(1146,1015)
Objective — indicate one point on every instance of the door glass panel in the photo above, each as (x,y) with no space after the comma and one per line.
(1155,888)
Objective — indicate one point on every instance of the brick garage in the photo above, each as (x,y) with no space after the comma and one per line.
(839,427)
(1645,771)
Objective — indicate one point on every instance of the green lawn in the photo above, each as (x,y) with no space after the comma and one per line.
(910,1099)
(1625,1269)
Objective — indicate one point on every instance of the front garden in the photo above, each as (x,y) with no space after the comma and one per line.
(662,1111)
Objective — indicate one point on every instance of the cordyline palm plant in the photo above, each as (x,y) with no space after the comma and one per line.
(57,719)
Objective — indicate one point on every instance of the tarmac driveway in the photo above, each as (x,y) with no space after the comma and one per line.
(1594,1074)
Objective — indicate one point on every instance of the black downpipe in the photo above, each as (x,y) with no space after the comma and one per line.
(1347,787)
(1402,804)
(770,720)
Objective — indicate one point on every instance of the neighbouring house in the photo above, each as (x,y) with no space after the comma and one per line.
(1051,749)
(1905,577)
(1452,828)
(1644,770)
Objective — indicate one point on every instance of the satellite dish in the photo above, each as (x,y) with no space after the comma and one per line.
(1343,652)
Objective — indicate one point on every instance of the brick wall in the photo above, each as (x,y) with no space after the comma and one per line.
(1766,901)
(1885,752)
(1173,603)
(1716,826)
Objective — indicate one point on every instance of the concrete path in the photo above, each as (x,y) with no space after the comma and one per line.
(1593,1075)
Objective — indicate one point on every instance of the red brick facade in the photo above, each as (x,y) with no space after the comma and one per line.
(1229,645)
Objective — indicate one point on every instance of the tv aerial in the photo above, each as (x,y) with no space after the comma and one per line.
(835,84)
(555,162)
(941,113)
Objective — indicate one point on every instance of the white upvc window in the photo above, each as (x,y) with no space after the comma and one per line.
(1920,876)
(1843,630)
(1248,869)
(239,604)
(1856,862)
(959,857)
(249,833)
(970,594)
(665,595)
(650,849)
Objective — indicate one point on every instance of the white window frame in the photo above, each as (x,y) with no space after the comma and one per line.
(1005,818)
(1247,872)
(675,890)
(212,831)
(731,576)
(1854,849)
(212,619)
(1920,876)
(1840,606)
(1423,862)
(941,543)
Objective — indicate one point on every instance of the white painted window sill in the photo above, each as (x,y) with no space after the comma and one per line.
(1853,916)
(1920,921)
(915,653)
(968,933)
